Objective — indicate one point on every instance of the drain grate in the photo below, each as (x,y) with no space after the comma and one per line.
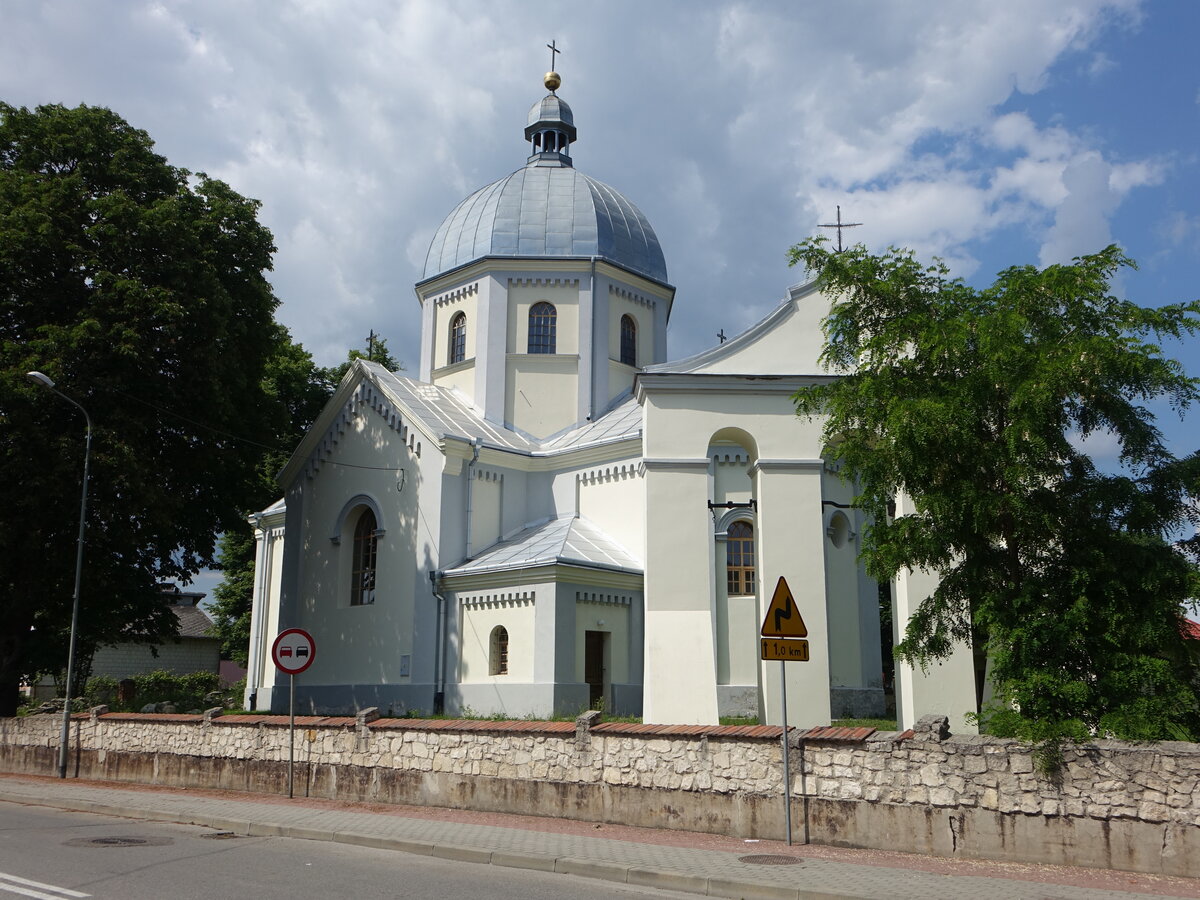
(119,841)
(220,835)
(770,859)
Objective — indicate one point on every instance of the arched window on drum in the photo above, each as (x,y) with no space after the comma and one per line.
(628,341)
(543,328)
(458,339)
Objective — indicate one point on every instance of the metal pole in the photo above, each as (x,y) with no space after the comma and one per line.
(787,771)
(291,733)
(64,749)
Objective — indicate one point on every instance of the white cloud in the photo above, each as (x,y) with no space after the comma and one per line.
(736,127)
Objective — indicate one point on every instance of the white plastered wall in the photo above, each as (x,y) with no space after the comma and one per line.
(486,499)
(362,644)
(680,618)
(514,611)
(464,300)
(596,611)
(613,498)
(946,687)
(737,616)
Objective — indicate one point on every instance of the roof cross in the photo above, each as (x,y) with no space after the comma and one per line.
(721,336)
(839,225)
(554,51)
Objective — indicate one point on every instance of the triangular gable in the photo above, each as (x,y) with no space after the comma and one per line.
(788,341)
(358,388)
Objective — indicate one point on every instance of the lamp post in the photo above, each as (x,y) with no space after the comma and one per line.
(64,749)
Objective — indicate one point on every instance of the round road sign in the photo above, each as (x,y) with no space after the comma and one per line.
(293,651)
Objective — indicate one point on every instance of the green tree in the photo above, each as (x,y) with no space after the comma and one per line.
(376,352)
(301,389)
(974,403)
(140,289)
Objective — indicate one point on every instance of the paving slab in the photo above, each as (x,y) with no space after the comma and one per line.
(702,864)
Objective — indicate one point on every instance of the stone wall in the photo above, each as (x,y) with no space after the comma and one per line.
(1111,804)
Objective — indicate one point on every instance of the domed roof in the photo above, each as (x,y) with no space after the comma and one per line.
(547,211)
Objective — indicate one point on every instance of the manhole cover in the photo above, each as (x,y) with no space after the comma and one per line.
(769,859)
(119,841)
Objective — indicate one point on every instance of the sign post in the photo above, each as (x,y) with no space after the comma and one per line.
(293,651)
(781,638)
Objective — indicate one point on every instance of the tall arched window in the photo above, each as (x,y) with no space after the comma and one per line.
(543,328)
(458,338)
(740,558)
(498,656)
(362,576)
(628,341)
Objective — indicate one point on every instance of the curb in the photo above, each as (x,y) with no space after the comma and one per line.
(601,870)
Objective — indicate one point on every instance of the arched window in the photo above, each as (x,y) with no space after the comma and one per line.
(543,327)
(628,341)
(362,576)
(458,339)
(740,558)
(498,655)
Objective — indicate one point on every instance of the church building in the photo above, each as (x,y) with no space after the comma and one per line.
(552,516)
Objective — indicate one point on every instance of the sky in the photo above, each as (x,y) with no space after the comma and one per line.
(989,134)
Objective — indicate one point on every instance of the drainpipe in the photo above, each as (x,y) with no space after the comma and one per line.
(475,445)
(591,410)
(439,650)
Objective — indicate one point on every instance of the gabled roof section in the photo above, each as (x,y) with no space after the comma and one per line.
(622,421)
(567,541)
(788,341)
(435,413)
(443,412)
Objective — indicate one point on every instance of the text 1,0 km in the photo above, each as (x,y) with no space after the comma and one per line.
(786,650)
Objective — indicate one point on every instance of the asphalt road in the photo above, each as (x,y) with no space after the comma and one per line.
(48,853)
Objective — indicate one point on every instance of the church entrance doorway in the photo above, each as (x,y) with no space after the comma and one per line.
(593,666)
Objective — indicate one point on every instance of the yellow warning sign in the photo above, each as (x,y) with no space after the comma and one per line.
(783,618)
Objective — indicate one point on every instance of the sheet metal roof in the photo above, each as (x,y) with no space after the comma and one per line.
(574,541)
(446,413)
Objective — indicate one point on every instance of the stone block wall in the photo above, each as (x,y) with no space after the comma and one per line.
(1112,804)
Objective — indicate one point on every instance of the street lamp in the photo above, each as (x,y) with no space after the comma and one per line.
(65,745)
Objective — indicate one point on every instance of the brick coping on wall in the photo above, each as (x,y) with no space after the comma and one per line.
(826,734)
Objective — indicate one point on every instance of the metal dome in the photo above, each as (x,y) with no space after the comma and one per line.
(547,210)
(551,108)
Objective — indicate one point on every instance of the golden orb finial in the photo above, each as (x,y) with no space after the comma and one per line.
(552,81)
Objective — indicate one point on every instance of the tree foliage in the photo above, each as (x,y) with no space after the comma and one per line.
(140,289)
(978,405)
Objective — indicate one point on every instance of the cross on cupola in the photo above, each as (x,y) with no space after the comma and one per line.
(551,128)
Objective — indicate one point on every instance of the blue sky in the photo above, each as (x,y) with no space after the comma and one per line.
(990,134)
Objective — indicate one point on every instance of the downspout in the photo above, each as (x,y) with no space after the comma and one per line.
(475,445)
(439,660)
(591,410)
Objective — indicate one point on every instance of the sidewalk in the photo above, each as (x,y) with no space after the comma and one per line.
(703,864)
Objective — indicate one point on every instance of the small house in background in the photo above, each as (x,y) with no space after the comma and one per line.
(196,650)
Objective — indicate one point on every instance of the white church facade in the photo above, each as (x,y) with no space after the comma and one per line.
(552,516)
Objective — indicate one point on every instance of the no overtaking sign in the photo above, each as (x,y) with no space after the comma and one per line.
(293,651)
